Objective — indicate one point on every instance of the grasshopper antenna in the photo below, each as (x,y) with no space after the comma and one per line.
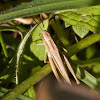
(42,20)
(38,24)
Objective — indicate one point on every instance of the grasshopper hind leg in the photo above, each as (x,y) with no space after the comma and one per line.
(54,69)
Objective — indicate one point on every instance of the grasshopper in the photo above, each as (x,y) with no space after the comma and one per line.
(55,58)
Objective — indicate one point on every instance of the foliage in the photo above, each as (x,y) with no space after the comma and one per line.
(74,25)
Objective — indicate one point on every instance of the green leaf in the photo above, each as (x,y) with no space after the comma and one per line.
(67,24)
(30,93)
(88,18)
(44,6)
(36,49)
(80,31)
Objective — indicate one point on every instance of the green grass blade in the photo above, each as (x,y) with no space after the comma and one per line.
(20,27)
(3,45)
(3,91)
(7,28)
(20,50)
(44,6)
(88,79)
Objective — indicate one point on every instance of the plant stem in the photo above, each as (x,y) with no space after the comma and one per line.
(87,62)
(20,97)
(28,82)
(91,39)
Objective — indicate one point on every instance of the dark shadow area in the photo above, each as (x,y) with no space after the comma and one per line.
(49,89)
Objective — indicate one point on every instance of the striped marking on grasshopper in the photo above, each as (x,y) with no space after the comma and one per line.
(55,58)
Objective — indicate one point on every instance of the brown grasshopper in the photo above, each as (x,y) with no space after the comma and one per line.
(55,58)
